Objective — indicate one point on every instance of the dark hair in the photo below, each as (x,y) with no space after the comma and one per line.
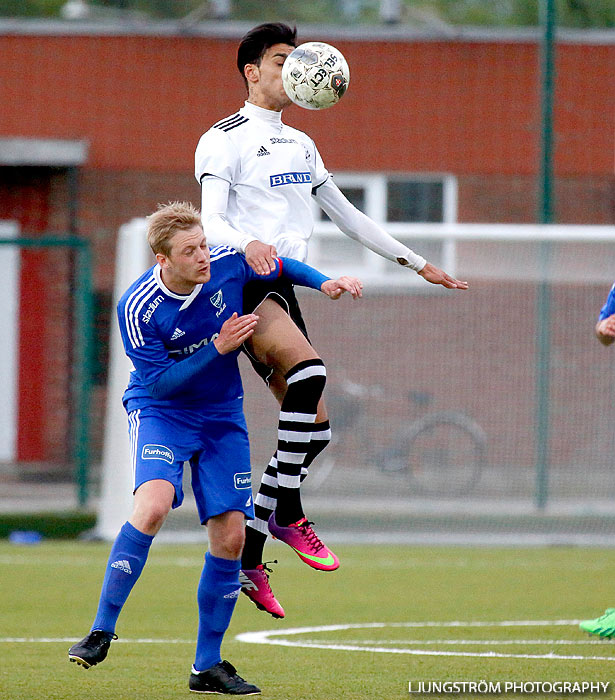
(258,40)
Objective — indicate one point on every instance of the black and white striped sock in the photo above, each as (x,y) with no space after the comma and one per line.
(267,496)
(305,384)
(321,437)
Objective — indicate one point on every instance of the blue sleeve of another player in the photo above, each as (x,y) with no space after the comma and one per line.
(297,272)
(162,376)
(609,307)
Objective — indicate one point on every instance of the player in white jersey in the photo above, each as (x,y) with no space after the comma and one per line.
(257,178)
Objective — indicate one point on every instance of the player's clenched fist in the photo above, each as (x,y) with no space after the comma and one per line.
(605,330)
(235,330)
(335,288)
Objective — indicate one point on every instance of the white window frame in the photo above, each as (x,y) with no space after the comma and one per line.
(363,262)
(375,186)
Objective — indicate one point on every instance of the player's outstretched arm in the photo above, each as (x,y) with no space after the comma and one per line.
(436,276)
(605,330)
(335,288)
(361,228)
(235,331)
(306,276)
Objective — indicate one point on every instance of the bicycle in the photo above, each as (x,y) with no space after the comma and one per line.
(442,453)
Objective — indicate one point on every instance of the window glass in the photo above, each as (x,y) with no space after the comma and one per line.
(410,201)
(355,195)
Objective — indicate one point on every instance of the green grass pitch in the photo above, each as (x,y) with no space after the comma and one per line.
(50,591)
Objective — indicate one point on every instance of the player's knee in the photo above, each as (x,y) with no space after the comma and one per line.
(234,543)
(158,515)
(150,517)
(306,382)
(226,533)
(230,542)
(153,501)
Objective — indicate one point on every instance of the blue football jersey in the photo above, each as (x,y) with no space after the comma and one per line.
(160,328)
(609,307)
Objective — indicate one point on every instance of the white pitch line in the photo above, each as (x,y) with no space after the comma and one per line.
(463,642)
(273,637)
(453,623)
(478,623)
(57,640)
(426,652)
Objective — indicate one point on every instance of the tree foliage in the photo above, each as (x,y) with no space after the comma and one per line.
(580,14)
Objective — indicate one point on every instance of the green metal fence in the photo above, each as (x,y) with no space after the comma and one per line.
(81,374)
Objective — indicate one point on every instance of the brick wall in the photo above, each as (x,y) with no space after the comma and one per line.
(470,108)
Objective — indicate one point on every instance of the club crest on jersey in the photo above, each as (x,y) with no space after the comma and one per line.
(157,452)
(218,302)
(243,480)
(290,179)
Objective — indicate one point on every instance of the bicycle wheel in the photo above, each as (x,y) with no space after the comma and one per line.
(442,453)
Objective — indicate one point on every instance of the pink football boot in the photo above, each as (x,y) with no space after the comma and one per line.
(255,584)
(301,537)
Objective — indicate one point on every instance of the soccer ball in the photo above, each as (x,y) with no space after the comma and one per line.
(315,75)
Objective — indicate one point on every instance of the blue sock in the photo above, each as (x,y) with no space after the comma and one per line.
(217,594)
(125,564)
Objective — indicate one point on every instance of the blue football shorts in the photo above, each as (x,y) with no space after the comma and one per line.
(214,443)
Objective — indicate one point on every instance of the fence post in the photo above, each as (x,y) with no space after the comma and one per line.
(83,371)
(545,216)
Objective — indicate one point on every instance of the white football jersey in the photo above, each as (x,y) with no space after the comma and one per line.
(272,170)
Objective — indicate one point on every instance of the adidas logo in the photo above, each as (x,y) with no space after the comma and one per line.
(233,594)
(122,565)
(248,502)
(177,333)
(262,151)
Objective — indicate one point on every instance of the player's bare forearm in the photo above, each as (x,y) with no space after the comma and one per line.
(605,330)
(235,331)
(335,288)
(436,276)
(260,257)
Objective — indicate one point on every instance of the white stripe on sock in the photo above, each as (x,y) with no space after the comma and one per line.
(288,481)
(307,372)
(259,525)
(290,458)
(292,417)
(265,501)
(294,436)
(269,480)
(322,434)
